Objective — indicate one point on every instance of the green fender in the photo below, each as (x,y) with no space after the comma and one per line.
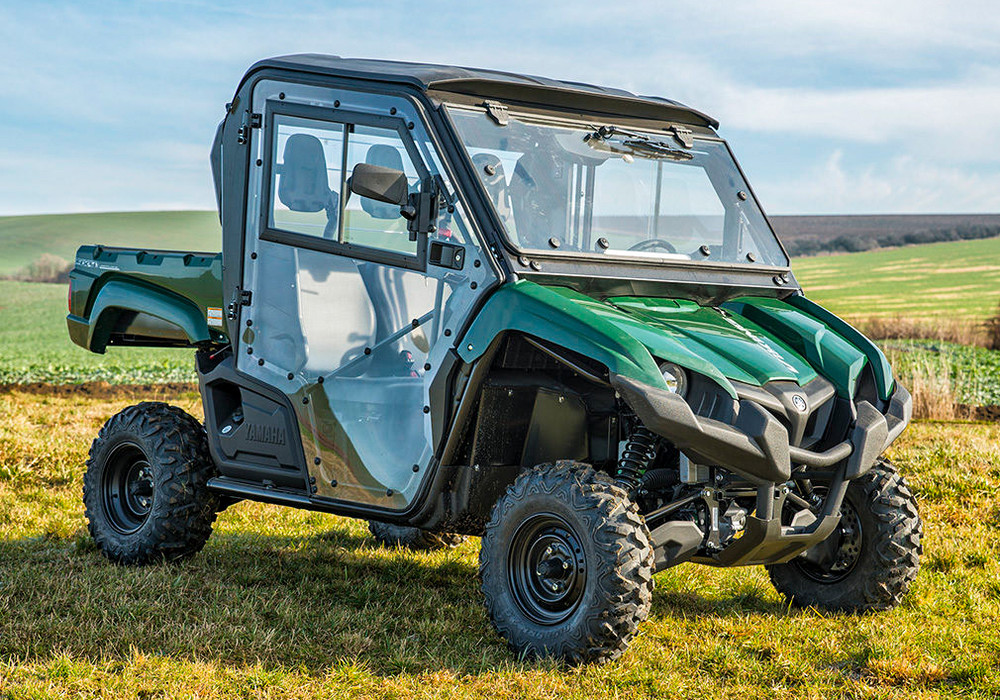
(880,365)
(124,295)
(576,322)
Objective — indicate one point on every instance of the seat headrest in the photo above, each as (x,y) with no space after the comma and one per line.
(304,184)
(388,157)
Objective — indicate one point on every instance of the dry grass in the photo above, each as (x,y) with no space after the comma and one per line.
(291,604)
(48,268)
(930,384)
(963,331)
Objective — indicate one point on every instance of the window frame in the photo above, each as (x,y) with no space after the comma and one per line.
(343,118)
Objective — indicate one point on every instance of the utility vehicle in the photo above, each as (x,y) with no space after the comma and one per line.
(464,302)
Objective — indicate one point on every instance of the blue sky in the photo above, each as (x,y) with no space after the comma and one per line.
(846,107)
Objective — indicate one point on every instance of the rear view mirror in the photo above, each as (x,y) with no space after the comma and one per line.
(380,183)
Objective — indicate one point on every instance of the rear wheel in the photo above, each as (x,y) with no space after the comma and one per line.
(413,537)
(870,560)
(566,565)
(145,490)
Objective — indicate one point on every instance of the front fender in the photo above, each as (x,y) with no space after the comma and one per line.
(578,323)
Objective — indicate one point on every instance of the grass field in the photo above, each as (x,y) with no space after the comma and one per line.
(286,603)
(942,280)
(23,239)
(957,279)
(35,346)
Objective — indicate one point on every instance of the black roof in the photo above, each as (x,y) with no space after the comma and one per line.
(491,83)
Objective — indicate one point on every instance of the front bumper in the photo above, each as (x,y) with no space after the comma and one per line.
(756,446)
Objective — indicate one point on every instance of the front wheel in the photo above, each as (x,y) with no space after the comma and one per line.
(870,560)
(145,490)
(566,565)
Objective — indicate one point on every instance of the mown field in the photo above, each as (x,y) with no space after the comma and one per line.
(286,603)
(960,279)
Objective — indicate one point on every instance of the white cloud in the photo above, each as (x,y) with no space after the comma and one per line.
(904,184)
(113,104)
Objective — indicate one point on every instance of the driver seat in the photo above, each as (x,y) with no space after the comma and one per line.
(304,184)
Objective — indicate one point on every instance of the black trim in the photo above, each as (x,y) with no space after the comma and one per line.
(221,369)
(489,83)
(333,115)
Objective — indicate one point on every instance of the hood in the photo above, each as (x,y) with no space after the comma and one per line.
(750,340)
(753,340)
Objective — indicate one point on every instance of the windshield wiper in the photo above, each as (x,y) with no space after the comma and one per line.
(632,144)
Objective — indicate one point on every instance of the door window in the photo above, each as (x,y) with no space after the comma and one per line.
(368,222)
(310,166)
(307,176)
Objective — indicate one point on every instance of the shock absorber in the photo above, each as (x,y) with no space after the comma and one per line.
(640,450)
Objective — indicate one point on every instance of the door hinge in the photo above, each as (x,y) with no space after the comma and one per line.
(497,112)
(251,121)
(683,136)
(242,297)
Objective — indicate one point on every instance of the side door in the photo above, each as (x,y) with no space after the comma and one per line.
(347,315)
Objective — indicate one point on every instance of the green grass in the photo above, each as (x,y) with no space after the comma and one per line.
(35,345)
(973,373)
(24,239)
(293,604)
(959,280)
(943,280)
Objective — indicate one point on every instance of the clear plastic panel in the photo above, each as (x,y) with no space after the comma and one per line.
(356,344)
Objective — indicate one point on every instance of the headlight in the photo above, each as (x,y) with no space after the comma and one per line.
(675,377)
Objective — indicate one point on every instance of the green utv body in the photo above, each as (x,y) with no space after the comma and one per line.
(463,302)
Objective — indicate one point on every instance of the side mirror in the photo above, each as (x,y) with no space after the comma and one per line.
(380,183)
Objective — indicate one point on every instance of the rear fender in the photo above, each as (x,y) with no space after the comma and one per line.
(123,296)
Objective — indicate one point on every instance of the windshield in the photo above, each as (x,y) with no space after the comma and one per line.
(605,190)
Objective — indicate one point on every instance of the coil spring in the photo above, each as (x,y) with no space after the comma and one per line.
(638,453)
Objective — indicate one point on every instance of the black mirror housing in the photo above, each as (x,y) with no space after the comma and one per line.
(379,183)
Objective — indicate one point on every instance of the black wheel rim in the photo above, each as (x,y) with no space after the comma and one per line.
(546,569)
(127,488)
(843,550)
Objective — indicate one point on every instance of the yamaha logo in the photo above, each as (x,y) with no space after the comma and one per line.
(799,401)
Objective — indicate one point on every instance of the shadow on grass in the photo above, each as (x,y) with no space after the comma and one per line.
(287,602)
(668,602)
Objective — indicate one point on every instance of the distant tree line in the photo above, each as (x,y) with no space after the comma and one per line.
(854,243)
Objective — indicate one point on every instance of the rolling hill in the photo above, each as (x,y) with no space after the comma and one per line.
(954,279)
(23,239)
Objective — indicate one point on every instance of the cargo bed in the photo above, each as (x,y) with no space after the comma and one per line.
(152,298)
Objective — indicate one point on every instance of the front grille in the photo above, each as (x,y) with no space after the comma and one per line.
(805,427)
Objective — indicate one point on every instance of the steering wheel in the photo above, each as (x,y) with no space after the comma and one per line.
(651,243)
